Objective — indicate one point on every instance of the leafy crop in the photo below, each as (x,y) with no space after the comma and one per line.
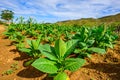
(81,41)
(96,40)
(34,50)
(104,37)
(56,61)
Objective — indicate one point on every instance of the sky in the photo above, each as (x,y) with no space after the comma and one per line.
(60,10)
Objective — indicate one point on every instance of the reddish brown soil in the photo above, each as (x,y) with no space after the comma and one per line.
(99,67)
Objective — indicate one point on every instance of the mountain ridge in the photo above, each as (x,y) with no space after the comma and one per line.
(110,19)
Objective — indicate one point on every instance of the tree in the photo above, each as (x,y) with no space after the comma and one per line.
(7,15)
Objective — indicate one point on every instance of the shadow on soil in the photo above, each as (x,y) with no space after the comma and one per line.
(31,72)
(22,56)
(12,43)
(113,70)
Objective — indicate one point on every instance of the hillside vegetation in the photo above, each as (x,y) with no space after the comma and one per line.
(108,20)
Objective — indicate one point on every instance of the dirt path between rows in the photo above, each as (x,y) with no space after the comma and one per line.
(10,56)
(99,67)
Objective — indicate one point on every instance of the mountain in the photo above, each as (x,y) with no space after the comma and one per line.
(111,18)
(108,20)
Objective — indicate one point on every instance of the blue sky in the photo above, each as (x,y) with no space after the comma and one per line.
(59,10)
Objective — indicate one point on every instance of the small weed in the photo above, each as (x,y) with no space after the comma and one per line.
(8,72)
(14,66)
(12,69)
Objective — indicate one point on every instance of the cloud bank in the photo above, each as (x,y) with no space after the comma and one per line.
(58,10)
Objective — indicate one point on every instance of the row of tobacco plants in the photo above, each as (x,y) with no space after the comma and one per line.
(51,46)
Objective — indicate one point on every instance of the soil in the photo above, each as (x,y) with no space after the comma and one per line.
(99,67)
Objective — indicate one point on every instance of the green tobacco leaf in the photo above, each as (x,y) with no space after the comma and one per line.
(74,64)
(60,48)
(26,50)
(38,41)
(84,54)
(50,56)
(110,45)
(97,50)
(90,42)
(29,62)
(61,76)
(77,51)
(83,44)
(45,65)
(29,42)
(34,44)
(70,46)
(46,50)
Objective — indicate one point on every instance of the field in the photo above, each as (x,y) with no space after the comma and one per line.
(102,66)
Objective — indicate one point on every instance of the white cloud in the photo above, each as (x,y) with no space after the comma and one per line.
(62,9)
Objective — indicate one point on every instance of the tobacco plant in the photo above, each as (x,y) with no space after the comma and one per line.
(57,61)
(96,39)
(86,42)
(104,37)
(34,50)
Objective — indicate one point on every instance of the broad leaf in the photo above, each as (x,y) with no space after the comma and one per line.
(74,64)
(84,54)
(50,56)
(97,50)
(29,42)
(35,44)
(110,45)
(90,42)
(45,65)
(83,44)
(45,47)
(61,76)
(26,50)
(70,46)
(29,62)
(77,51)
(60,48)
(46,50)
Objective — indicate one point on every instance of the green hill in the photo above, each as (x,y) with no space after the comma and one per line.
(108,20)
(111,18)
